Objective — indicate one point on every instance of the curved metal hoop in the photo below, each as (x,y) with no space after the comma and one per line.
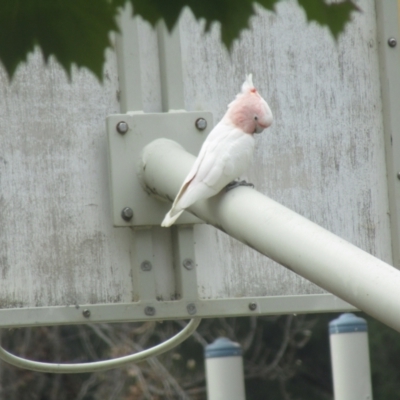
(101,365)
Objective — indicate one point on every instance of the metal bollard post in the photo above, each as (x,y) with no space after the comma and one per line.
(224,370)
(350,358)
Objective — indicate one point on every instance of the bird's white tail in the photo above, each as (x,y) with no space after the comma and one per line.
(170,219)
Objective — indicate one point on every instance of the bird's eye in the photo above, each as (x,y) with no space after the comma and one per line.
(255,118)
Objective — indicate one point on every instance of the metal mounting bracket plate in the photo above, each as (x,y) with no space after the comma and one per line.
(124,155)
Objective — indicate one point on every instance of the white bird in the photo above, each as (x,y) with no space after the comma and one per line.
(227,151)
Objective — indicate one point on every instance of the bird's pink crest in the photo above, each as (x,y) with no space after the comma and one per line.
(249,111)
(248,85)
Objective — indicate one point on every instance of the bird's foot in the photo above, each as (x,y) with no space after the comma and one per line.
(235,184)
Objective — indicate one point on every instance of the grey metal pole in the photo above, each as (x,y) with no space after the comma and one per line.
(279,233)
(351,370)
(224,370)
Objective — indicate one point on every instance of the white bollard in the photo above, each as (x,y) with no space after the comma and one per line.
(224,370)
(350,358)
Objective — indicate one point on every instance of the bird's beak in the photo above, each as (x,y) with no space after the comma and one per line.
(258,129)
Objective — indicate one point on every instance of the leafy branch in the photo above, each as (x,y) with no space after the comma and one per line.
(77,31)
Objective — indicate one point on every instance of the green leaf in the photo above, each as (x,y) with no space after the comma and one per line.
(77,31)
(333,15)
(268,4)
(74,31)
(155,10)
(234,15)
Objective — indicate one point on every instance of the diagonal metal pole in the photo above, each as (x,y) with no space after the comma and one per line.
(282,235)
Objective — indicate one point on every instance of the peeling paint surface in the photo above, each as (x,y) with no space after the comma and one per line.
(323,157)
(57,246)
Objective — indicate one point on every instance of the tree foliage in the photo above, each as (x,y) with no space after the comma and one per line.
(77,31)
(74,31)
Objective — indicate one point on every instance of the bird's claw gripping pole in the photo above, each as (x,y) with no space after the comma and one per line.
(282,235)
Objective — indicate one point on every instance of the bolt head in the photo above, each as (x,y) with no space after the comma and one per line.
(150,311)
(392,42)
(188,263)
(86,313)
(191,309)
(252,306)
(122,127)
(201,124)
(127,214)
(146,266)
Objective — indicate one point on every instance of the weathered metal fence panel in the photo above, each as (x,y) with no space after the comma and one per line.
(324,157)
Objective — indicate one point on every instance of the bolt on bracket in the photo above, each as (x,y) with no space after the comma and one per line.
(125,147)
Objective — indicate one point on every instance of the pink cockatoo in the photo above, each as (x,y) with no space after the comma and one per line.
(227,151)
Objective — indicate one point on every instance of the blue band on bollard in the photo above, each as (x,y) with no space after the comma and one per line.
(222,347)
(348,323)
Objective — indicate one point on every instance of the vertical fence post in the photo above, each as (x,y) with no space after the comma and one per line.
(224,370)
(350,358)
